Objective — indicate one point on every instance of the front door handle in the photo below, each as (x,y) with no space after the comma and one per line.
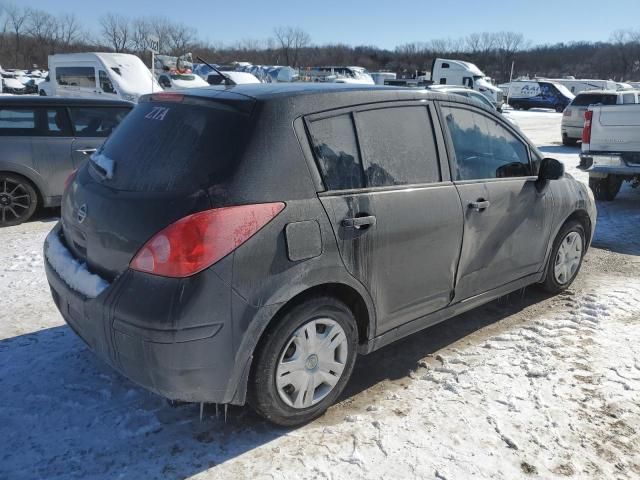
(87,151)
(479,205)
(359,222)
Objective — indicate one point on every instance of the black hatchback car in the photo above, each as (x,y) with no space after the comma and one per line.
(245,243)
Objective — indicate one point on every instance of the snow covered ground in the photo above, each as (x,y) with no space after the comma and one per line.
(530,386)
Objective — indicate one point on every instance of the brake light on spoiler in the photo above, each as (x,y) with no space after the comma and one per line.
(197,241)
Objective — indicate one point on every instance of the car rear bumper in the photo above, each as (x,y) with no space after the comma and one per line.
(608,163)
(571,131)
(164,334)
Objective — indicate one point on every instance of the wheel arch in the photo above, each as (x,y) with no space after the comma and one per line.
(578,214)
(28,174)
(361,308)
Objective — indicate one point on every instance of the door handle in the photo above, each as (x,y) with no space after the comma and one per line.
(86,151)
(479,205)
(359,222)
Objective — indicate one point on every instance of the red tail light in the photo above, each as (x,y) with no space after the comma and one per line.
(70,178)
(197,241)
(586,130)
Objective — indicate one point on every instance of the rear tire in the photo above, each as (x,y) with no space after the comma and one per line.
(605,188)
(569,142)
(566,257)
(294,351)
(18,200)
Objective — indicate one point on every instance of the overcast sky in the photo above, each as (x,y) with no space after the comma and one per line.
(375,22)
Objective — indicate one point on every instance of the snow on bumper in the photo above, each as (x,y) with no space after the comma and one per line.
(74,273)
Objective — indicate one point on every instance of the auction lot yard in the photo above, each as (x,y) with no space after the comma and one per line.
(529,386)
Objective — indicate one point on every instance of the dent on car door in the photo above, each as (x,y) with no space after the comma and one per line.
(507,221)
(398,224)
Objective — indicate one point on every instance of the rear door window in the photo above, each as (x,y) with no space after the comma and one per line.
(17,121)
(398,146)
(96,121)
(594,99)
(34,122)
(56,124)
(484,149)
(175,146)
(336,150)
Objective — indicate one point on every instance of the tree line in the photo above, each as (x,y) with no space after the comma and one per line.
(28,36)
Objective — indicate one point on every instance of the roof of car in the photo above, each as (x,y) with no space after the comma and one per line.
(346,91)
(600,92)
(38,101)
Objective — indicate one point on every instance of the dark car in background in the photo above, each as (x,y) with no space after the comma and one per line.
(246,243)
(42,140)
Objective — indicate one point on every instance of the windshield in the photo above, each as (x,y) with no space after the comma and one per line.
(563,90)
(182,76)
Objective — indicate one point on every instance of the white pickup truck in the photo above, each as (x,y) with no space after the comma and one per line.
(611,148)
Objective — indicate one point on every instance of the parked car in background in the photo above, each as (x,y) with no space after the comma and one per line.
(12,85)
(611,148)
(168,80)
(526,94)
(573,116)
(456,72)
(265,291)
(231,78)
(42,140)
(99,75)
(464,92)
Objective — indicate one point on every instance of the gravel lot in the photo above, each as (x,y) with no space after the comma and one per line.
(529,386)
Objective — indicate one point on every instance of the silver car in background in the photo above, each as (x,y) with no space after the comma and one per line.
(42,141)
(573,116)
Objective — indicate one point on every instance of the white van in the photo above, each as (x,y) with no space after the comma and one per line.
(100,75)
(457,72)
(577,85)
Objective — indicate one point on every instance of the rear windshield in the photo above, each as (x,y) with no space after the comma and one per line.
(593,99)
(173,146)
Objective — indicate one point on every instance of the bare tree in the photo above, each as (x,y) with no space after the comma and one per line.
(116,31)
(291,41)
(17,17)
(43,28)
(69,30)
(181,38)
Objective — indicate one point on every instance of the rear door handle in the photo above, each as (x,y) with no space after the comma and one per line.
(479,205)
(87,151)
(359,222)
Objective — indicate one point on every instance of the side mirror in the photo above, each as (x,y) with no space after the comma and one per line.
(550,169)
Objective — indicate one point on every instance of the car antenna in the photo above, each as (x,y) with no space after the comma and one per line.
(228,80)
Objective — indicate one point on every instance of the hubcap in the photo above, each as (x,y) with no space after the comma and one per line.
(568,258)
(14,200)
(311,363)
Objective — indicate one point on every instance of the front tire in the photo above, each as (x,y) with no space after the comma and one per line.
(566,257)
(606,188)
(18,200)
(302,364)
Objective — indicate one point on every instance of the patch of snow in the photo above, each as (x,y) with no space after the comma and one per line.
(105,163)
(74,273)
